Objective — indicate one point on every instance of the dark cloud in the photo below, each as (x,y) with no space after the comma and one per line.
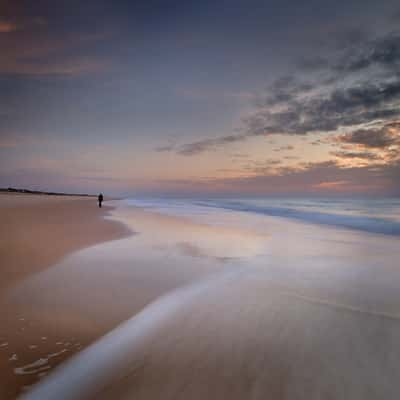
(334,104)
(365,155)
(382,137)
(384,51)
(201,146)
(283,90)
(356,51)
(298,106)
(353,105)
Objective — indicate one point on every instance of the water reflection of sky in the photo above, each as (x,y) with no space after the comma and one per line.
(234,274)
(372,215)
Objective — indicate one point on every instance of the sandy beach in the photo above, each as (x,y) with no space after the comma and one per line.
(219,305)
(37,231)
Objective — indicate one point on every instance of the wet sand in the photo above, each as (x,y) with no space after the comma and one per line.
(37,231)
(91,292)
(228,306)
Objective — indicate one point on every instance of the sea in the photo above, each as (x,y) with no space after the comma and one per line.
(373,215)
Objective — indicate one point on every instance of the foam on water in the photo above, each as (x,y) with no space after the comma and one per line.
(98,365)
(38,366)
(370,215)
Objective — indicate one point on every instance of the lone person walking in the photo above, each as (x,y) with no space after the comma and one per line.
(100,199)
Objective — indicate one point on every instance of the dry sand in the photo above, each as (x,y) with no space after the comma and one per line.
(36,231)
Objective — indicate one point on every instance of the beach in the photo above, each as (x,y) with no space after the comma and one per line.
(36,231)
(210,303)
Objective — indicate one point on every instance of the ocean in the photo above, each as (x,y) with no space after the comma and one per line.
(370,215)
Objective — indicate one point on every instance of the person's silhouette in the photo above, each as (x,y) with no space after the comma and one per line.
(100,199)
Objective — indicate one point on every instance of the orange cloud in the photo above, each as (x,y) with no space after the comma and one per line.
(7,27)
(331,185)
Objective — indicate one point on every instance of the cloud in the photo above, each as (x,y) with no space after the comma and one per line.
(7,27)
(284,148)
(284,90)
(326,102)
(316,143)
(355,96)
(18,23)
(351,106)
(332,185)
(201,146)
(328,177)
(379,145)
(270,166)
(360,154)
(382,137)
(354,105)
(167,148)
(320,177)
(383,51)
(357,52)
(36,48)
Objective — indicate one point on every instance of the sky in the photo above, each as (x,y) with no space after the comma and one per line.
(239,97)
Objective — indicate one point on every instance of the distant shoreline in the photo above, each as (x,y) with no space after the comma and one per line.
(28,191)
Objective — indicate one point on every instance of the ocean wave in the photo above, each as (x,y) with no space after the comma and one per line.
(374,216)
(359,222)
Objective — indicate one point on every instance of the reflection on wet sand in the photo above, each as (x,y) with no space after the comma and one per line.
(94,290)
(294,311)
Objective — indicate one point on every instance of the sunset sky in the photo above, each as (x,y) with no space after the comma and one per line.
(201,97)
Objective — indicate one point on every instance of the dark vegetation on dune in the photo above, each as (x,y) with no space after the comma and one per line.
(27,191)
